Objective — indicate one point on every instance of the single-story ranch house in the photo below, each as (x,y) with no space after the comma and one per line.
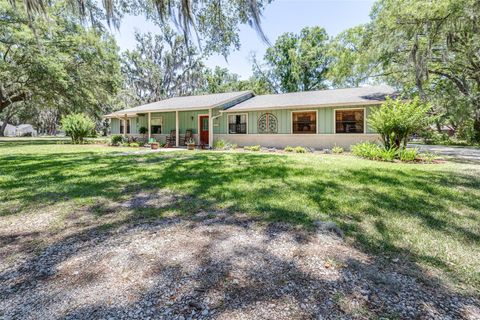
(317,119)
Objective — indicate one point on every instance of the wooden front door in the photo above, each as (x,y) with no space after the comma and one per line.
(204,129)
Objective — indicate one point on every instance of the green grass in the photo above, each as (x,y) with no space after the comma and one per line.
(427,213)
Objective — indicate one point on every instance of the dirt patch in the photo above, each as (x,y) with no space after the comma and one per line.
(214,265)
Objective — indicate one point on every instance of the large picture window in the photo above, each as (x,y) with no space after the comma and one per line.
(350,121)
(237,123)
(304,122)
(156,125)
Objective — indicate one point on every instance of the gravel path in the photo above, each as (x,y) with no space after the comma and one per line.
(212,265)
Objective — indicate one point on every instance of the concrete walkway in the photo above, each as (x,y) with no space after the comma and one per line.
(458,153)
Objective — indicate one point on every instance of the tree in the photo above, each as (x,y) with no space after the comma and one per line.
(162,66)
(298,62)
(77,126)
(397,120)
(215,22)
(351,63)
(423,43)
(221,80)
(55,63)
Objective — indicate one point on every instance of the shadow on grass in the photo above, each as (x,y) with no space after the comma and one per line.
(270,188)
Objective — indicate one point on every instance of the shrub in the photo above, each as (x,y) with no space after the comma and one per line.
(289,149)
(366,150)
(220,144)
(224,145)
(396,120)
(337,150)
(135,145)
(407,155)
(116,140)
(387,154)
(143,130)
(77,126)
(300,149)
(252,148)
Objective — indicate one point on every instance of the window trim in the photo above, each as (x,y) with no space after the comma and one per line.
(340,109)
(161,125)
(123,123)
(300,111)
(237,114)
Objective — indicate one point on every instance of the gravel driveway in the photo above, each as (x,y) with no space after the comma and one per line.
(211,265)
(458,153)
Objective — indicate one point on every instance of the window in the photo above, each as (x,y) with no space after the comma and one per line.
(349,121)
(267,123)
(237,123)
(204,123)
(304,122)
(156,125)
(122,127)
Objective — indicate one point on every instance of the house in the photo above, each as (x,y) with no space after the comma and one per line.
(318,119)
(9,130)
(21,130)
(25,129)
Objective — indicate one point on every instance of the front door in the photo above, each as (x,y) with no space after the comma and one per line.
(203,129)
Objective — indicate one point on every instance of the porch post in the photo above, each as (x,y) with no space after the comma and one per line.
(210,128)
(177,130)
(125,126)
(149,126)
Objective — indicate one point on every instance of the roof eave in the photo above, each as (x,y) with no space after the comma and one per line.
(120,114)
(314,105)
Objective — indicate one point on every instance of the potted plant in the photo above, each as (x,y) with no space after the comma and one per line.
(154,145)
(190,144)
(143,131)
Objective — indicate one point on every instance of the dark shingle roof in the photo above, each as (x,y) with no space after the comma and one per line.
(322,98)
(184,103)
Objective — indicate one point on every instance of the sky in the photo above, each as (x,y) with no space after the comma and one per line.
(278,17)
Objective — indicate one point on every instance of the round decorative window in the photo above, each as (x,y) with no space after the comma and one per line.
(267,123)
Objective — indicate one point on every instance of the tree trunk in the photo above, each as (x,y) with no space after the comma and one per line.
(2,128)
(476,129)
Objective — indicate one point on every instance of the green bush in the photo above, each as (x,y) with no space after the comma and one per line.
(143,130)
(252,148)
(388,154)
(116,140)
(77,126)
(337,150)
(224,145)
(368,150)
(300,149)
(373,151)
(407,155)
(289,149)
(220,144)
(135,145)
(396,120)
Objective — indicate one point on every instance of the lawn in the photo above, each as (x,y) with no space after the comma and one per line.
(427,214)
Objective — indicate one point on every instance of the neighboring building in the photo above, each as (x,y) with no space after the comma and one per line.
(25,130)
(9,130)
(318,119)
(21,130)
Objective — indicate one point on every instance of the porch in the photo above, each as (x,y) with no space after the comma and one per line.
(167,126)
